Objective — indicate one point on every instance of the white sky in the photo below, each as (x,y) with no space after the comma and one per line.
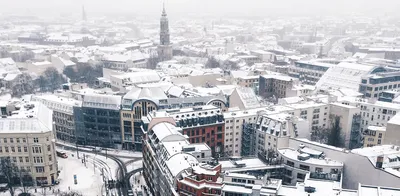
(199,7)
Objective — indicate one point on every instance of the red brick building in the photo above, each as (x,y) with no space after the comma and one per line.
(204,181)
(204,124)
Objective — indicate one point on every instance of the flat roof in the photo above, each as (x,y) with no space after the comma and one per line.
(292,154)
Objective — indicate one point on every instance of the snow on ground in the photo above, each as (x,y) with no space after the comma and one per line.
(137,181)
(109,166)
(114,152)
(134,165)
(89,179)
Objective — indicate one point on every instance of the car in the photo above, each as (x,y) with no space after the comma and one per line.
(97,149)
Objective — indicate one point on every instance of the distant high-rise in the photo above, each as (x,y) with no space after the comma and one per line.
(165,48)
(84,17)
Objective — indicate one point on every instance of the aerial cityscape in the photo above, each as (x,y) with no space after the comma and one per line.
(251,99)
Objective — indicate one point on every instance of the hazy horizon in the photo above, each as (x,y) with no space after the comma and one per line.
(220,8)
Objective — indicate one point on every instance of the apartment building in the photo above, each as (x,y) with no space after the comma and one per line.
(373,85)
(273,132)
(309,72)
(374,136)
(202,180)
(358,161)
(276,85)
(169,158)
(306,161)
(27,140)
(234,129)
(348,118)
(315,112)
(63,115)
(202,124)
(392,135)
(373,113)
(248,81)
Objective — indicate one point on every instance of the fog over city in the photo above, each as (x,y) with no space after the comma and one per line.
(199,98)
(227,8)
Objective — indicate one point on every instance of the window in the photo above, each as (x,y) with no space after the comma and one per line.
(14,159)
(1,149)
(48,148)
(19,148)
(300,176)
(35,140)
(21,160)
(51,167)
(11,140)
(12,149)
(23,140)
(305,167)
(28,169)
(5,140)
(38,159)
(6,149)
(319,170)
(290,163)
(39,169)
(25,149)
(50,158)
(36,149)
(17,140)
(27,159)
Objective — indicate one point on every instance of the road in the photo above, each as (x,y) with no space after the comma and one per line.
(122,174)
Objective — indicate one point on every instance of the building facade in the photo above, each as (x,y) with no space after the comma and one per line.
(98,122)
(63,115)
(27,141)
(203,124)
(168,157)
(276,86)
(373,86)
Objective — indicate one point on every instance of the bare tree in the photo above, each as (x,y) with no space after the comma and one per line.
(212,63)
(153,61)
(51,80)
(13,177)
(24,85)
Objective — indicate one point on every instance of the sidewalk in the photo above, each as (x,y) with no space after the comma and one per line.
(114,152)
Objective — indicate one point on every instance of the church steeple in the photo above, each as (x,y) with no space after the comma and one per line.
(164,28)
(84,17)
(164,13)
(165,47)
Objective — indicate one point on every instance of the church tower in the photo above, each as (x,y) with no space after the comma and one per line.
(165,48)
(84,17)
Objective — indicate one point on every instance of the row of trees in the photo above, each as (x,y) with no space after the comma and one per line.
(49,81)
(226,65)
(84,73)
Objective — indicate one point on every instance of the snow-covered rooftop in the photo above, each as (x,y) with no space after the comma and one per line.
(33,117)
(293,154)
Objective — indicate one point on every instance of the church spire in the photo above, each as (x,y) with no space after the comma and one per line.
(164,13)
(84,17)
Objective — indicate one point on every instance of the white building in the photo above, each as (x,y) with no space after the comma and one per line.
(345,75)
(120,82)
(63,114)
(27,139)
